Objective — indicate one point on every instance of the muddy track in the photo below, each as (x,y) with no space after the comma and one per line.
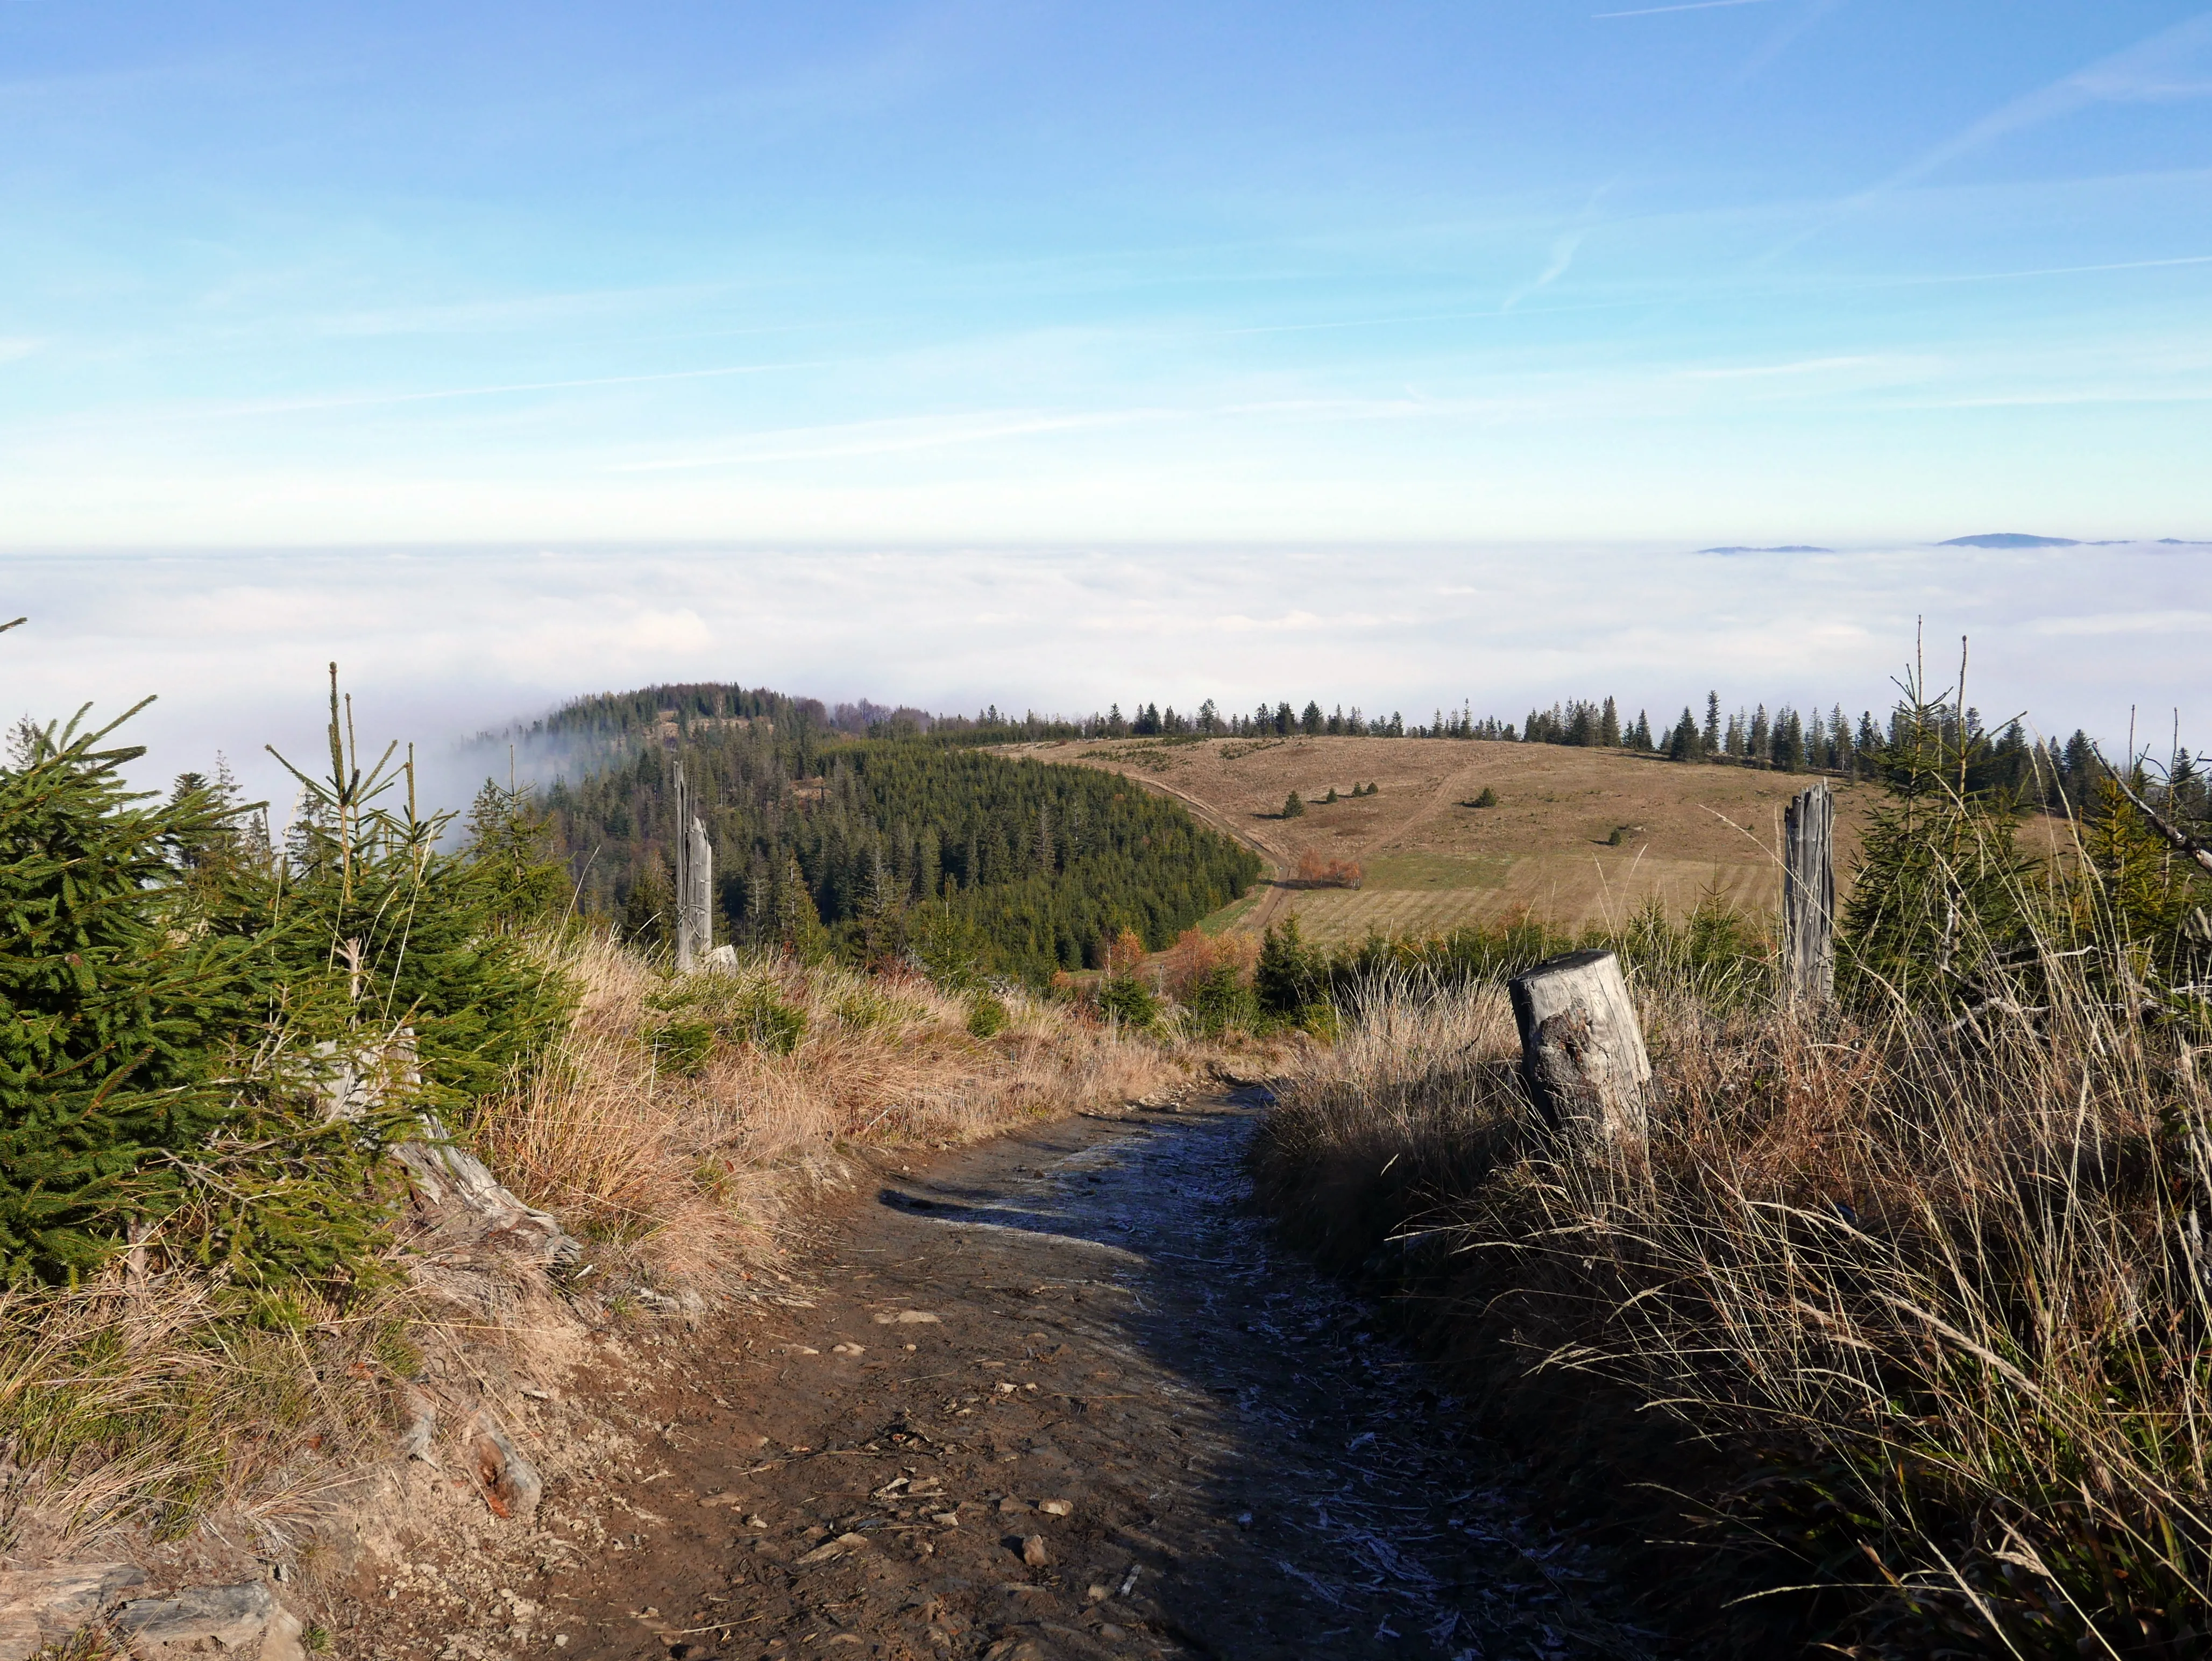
(1057,1396)
(1277,900)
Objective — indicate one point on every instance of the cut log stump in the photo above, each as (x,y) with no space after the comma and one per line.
(1582,1051)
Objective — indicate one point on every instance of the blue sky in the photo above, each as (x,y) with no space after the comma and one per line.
(1058,277)
(1784,269)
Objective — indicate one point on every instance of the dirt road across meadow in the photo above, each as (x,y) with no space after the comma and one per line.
(1056,1395)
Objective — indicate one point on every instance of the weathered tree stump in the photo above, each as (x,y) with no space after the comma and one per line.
(695,882)
(1808,895)
(1582,1051)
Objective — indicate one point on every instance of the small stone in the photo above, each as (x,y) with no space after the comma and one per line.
(1057,1507)
(848,1349)
(756,1522)
(1010,1505)
(1034,1552)
(909,1346)
(905,1318)
(947,1518)
(1007,1388)
(1096,1594)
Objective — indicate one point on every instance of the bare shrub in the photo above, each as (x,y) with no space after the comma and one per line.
(1197,954)
(1315,870)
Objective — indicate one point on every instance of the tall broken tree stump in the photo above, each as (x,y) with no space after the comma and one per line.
(1582,1051)
(694,883)
(1808,895)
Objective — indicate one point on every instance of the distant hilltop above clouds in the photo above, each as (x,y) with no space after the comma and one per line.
(2021,539)
(1999,539)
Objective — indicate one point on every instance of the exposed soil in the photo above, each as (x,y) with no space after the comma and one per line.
(1058,1395)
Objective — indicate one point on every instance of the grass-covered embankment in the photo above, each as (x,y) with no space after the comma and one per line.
(1902,1311)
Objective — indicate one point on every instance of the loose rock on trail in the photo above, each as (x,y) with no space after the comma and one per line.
(1055,1395)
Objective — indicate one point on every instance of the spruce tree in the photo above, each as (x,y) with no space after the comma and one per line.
(1291,975)
(1712,731)
(1608,726)
(117,1010)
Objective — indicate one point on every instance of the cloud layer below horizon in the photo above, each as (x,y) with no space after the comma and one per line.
(437,644)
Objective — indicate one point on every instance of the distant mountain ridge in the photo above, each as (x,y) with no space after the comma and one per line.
(2009,539)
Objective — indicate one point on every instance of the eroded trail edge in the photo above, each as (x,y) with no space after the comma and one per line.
(1059,1395)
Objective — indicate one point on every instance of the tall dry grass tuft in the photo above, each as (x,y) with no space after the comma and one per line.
(680,1117)
(148,1405)
(1932,1291)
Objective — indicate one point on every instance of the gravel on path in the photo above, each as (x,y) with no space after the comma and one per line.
(1059,1395)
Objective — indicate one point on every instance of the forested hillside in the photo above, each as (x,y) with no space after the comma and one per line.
(867,845)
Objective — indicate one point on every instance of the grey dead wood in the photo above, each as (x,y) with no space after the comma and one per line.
(244,1618)
(445,1174)
(695,882)
(1808,894)
(2175,838)
(1582,1051)
(39,1606)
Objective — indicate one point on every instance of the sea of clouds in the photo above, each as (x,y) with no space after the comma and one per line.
(439,645)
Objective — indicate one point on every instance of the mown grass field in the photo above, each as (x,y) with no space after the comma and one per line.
(1432,862)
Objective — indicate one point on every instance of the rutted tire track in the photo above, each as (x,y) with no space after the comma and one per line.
(1249,1469)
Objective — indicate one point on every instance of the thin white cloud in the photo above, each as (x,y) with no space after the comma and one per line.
(2141,73)
(1801,367)
(1563,258)
(2053,270)
(353,400)
(2126,622)
(1691,5)
(1784,38)
(889,438)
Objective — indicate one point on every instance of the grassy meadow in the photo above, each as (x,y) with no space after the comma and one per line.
(1430,861)
(1892,1339)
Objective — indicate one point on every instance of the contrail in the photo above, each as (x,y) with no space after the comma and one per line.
(1693,5)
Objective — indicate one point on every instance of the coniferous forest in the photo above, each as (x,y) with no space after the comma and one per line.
(871,846)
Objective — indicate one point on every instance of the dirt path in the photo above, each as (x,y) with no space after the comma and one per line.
(1277,899)
(1057,1396)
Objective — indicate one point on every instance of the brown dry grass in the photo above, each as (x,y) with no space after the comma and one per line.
(139,1409)
(1430,861)
(688,1176)
(1934,1302)
(133,1410)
